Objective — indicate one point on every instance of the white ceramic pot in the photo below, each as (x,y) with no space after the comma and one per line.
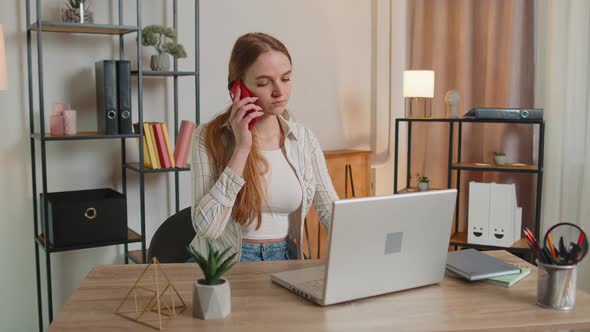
(423,186)
(500,160)
(211,301)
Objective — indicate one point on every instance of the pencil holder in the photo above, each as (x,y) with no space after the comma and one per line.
(556,286)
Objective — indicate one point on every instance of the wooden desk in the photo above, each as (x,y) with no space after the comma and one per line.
(259,305)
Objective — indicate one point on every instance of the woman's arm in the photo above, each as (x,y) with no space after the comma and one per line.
(325,194)
(213,199)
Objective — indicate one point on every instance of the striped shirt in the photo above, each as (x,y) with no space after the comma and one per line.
(212,196)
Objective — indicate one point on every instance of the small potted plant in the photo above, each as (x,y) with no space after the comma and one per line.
(76,11)
(500,158)
(423,182)
(211,295)
(157,36)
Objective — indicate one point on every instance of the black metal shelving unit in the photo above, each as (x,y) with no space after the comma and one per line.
(139,256)
(40,27)
(459,239)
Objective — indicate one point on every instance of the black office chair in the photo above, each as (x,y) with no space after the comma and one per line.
(172,237)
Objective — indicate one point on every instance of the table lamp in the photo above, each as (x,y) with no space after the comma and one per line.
(418,88)
(3,73)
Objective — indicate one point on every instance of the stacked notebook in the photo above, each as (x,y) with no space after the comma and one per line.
(473,265)
(509,280)
(113,97)
(157,150)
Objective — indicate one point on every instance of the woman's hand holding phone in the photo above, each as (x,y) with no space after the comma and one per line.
(242,112)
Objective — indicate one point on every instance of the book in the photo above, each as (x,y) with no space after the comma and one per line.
(509,280)
(161,145)
(183,142)
(474,265)
(146,157)
(168,148)
(151,143)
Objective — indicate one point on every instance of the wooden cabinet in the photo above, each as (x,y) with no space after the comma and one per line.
(350,171)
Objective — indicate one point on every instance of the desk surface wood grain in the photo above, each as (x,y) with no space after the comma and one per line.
(259,305)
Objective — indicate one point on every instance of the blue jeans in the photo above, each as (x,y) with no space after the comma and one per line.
(252,252)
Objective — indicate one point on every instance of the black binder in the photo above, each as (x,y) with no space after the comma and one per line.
(106,97)
(124,96)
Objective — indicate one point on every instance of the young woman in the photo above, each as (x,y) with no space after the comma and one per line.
(253,188)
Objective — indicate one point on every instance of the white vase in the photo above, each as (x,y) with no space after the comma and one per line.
(500,160)
(423,186)
(211,301)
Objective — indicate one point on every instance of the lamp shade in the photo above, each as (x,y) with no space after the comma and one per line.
(3,73)
(419,83)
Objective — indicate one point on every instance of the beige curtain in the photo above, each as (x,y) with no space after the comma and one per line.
(484,50)
(562,83)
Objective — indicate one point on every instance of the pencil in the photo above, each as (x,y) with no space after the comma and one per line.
(532,238)
(533,244)
(551,247)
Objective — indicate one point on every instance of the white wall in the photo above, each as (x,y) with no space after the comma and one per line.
(331,60)
(338,58)
(389,54)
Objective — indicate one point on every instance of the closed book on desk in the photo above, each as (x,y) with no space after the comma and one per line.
(509,280)
(474,265)
(124,96)
(106,97)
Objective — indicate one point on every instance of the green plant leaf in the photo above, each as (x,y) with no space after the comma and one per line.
(221,273)
(169,32)
(214,262)
(227,264)
(211,263)
(224,253)
(175,49)
(201,261)
(214,265)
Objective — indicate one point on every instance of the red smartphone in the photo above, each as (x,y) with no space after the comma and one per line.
(244,93)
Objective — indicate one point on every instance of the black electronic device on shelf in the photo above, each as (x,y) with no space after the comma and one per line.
(506,113)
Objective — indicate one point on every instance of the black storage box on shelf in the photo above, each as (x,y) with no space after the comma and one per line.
(85,217)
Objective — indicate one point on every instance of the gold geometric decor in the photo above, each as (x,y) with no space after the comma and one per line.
(152,299)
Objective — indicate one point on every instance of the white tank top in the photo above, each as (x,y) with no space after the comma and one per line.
(284,197)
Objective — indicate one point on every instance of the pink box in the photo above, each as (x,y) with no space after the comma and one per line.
(56,125)
(69,118)
(59,108)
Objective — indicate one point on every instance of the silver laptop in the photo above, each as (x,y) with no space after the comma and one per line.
(379,245)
